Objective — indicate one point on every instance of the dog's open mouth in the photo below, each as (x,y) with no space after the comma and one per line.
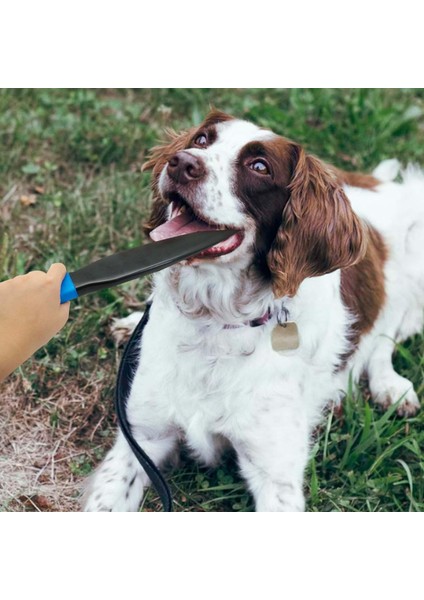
(183,220)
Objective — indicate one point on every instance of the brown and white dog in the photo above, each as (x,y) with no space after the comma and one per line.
(339,254)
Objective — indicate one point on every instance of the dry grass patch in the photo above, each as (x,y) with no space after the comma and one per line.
(49,444)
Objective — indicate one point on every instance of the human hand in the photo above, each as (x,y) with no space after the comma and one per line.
(30,315)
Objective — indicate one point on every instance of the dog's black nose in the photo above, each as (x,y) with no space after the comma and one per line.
(183,167)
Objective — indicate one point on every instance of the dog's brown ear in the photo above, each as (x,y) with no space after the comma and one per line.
(156,161)
(319,232)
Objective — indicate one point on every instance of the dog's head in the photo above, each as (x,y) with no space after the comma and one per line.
(293,219)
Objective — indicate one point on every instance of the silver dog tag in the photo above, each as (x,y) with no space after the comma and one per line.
(285,337)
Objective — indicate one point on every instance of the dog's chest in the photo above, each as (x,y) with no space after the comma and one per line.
(215,381)
(207,379)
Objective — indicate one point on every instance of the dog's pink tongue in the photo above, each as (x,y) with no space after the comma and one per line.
(184,223)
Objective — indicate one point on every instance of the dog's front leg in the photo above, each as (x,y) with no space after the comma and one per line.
(119,482)
(273,453)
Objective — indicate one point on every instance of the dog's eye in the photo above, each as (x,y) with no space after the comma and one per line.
(260,166)
(201,140)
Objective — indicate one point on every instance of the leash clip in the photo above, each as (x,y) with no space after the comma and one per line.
(283,311)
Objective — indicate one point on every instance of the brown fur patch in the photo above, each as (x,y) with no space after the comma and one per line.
(319,232)
(360,180)
(363,289)
(214,117)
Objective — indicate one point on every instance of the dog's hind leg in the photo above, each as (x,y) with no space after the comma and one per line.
(388,387)
(118,484)
(122,329)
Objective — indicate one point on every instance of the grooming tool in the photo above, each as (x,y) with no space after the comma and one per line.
(130,264)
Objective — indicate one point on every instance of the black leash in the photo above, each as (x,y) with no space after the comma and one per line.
(127,369)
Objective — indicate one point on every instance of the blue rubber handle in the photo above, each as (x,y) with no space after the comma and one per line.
(68,291)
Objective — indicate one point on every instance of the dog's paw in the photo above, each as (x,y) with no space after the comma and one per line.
(122,329)
(280,497)
(393,389)
(112,491)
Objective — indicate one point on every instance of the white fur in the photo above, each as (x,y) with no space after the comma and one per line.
(387,170)
(208,384)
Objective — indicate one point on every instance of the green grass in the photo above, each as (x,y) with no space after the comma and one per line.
(79,152)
